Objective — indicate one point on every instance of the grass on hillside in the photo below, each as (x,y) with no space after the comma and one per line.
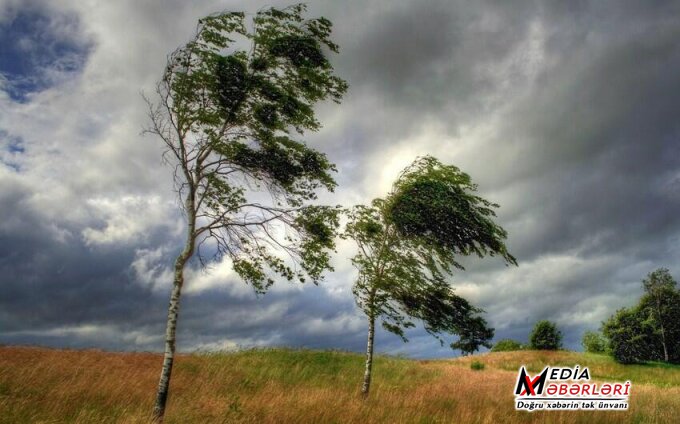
(299,386)
(602,367)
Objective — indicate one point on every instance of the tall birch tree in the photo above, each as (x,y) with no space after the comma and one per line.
(228,108)
(410,241)
(659,287)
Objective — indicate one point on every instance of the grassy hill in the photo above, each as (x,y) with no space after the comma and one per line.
(272,386)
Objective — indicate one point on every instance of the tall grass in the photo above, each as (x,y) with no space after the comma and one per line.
(299,386)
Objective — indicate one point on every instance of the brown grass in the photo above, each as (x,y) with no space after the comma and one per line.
(273,386)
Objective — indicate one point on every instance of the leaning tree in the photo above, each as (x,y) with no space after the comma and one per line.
(229,106)
(409,242)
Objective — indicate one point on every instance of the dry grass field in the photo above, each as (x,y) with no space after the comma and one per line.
(298,386)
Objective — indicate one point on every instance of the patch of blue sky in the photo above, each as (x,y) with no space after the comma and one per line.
(11,149)
(39,48)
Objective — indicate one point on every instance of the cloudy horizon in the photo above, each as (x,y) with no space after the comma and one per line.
(565,114)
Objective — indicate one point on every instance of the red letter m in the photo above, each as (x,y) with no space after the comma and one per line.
(526,385)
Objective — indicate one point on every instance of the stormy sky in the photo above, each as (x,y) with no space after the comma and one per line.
(565,113)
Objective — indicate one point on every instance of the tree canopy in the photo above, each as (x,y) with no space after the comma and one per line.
(229,117)
(594,342)
(545,336)
(434,206)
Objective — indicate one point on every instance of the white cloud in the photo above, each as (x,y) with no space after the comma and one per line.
(128,219)
(151,268)
(338,325)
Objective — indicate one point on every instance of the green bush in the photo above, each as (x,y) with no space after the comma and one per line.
(631,337)
(477,366)
(545,336)
(594,342)
(507,345)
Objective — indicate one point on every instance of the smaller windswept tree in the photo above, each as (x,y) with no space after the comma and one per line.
(409,242)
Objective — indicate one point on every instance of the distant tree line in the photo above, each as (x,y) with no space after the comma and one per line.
(648,331)
(544,336)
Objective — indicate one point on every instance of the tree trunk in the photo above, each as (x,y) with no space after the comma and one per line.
(170,332)
(663,342)
(663,333)
(173,310)
(369,357)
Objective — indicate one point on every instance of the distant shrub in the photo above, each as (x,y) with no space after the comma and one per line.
(594,342)
(545,336)
(477,366)
(506,345)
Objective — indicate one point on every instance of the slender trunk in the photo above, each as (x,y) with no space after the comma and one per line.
(170,332)
(663,333)
(663,342)
(173,310)
(369,356)
(663,339)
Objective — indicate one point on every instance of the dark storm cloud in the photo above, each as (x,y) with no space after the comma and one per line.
(50,278)
(410,62)
(596,136)
(565,113)
(602,141)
